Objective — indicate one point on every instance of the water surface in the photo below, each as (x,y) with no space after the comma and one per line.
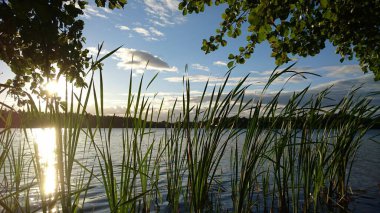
(364,182)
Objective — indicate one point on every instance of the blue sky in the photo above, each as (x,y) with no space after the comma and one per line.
(155,30)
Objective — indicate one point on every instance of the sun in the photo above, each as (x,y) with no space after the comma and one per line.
(52,87)
(55,88)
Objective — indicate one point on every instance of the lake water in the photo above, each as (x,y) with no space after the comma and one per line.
(365,177)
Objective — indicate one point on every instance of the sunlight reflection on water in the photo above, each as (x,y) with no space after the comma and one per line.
(95,200)
(45,141)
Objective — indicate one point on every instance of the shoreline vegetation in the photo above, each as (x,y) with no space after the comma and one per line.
(285,153)
(295,157)
(44,120)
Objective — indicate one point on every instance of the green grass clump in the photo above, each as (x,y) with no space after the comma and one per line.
(290,157)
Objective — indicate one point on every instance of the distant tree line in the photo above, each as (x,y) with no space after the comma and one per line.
(20,119)
(15,119)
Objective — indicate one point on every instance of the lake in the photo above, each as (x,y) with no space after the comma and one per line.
(364,181)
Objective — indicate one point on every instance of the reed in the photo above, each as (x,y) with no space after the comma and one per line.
(291,157)
(135,179)
(175,159)
(207,137)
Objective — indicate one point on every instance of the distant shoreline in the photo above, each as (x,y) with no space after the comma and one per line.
(42,120)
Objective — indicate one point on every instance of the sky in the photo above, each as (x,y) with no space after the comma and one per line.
(155,31)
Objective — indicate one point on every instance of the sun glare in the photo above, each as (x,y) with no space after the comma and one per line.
(45,140)
(56,88)
(52,87)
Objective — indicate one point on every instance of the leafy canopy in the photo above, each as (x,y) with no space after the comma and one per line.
(39,36)
(298,27)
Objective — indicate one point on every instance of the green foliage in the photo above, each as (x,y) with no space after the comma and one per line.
(37,35)
(298,27)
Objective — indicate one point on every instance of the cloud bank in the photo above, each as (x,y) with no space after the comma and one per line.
(138,60)
(339,89)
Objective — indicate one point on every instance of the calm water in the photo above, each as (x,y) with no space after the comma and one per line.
(365,177)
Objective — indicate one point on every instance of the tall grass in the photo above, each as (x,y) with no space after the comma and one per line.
(134,178)
(13,165)
(207,139)
(302,160)
(291,157)
(175,158)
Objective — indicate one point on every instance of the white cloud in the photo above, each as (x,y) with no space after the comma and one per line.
(295,69)
(217,80)
(141,31)
(122,27)
(150,34)
(220,63)
(200,67)
(366,83)
(94,51)
(163,12)
(91,11)
(140,60)
(107,10)
(156,32)
(343,71)
(342,79)
(336,72)
(165,94)
(262,73)
(341,88)
(233,81)
(338,90)
(157,23)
